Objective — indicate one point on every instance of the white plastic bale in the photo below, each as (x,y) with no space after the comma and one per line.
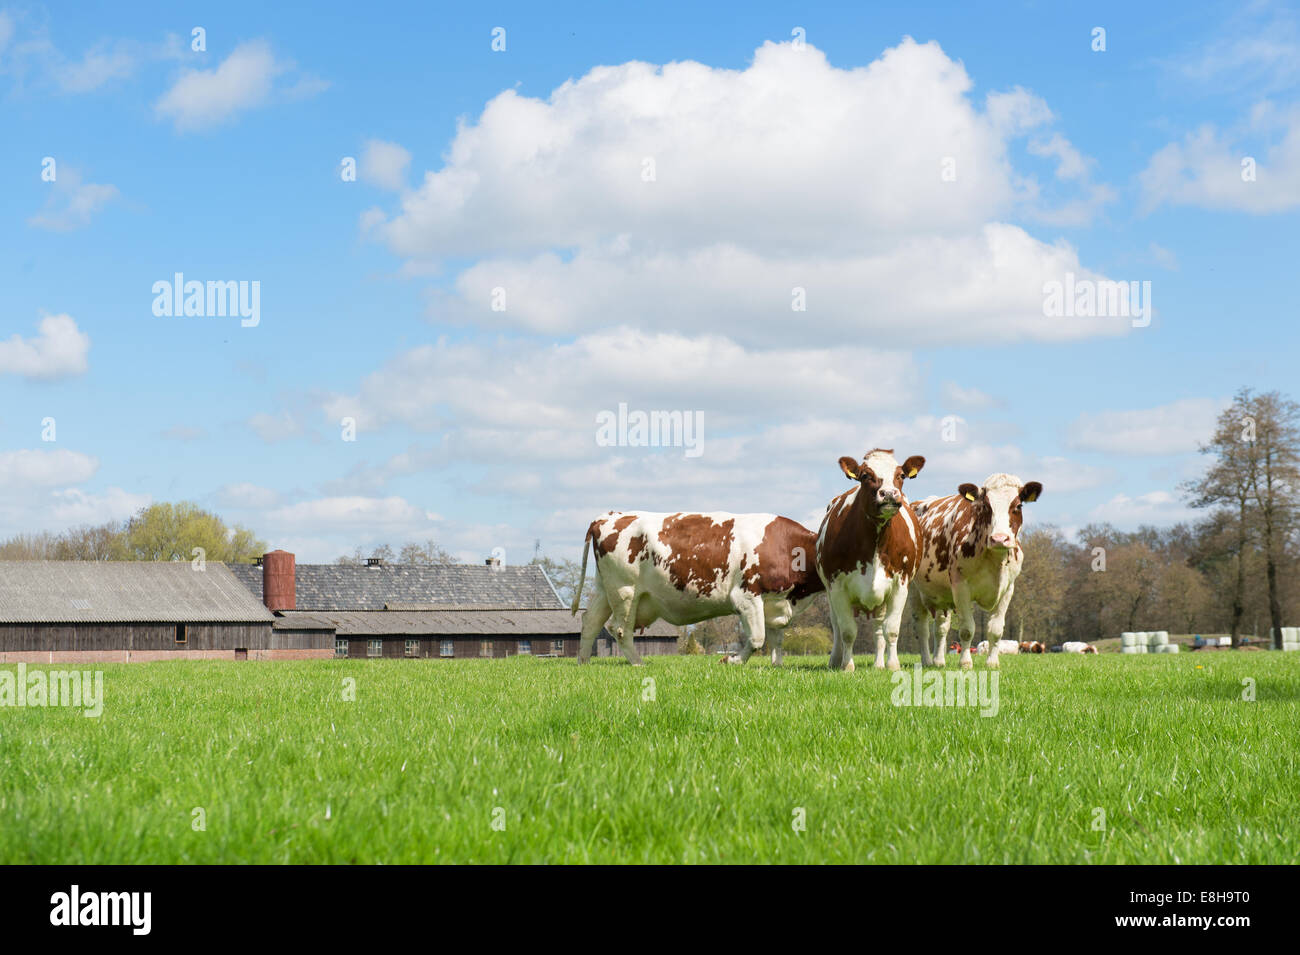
(1128,639)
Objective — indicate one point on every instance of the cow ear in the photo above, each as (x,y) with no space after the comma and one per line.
(849,467)
(1029,493)
(912,466)
(968,491)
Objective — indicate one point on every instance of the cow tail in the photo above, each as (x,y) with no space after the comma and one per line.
(587,544)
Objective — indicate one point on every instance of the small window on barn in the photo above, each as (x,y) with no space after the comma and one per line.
(182,634)
(340,646)
(525,647)
(412,648)
(446,648)
(485,648)
(374,648)
(557,647)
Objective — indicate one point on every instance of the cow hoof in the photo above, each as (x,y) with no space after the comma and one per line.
(848,667)
(994,664)
(892,665)
(965,664)
(939,662)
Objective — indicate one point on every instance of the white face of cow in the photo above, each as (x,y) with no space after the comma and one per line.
(1001,497)
(882,478)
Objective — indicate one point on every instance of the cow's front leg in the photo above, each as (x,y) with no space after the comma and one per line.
(844,629)
(966,622)
(878,624)
(997,623)
(891,619)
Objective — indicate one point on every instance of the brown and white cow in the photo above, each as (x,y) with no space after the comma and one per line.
(868,549)
(686,568)
(971,557)
(1077,646)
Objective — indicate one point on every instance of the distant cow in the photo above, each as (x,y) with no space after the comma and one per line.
(867,552)
(1077,646)
(1032,646)
(1004,646)
(686,568)
(970,557)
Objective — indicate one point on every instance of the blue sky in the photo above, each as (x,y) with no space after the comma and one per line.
(775,166)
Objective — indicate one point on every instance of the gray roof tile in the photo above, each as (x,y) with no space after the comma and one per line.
(124,591)
(336,587)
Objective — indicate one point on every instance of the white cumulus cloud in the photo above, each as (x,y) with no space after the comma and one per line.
(58,350)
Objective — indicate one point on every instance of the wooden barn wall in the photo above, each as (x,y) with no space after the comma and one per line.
(133,636)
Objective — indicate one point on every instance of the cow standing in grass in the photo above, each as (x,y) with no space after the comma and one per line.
(970,556)
(686,568)
(868,549)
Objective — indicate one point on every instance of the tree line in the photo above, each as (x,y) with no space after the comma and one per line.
(163,531)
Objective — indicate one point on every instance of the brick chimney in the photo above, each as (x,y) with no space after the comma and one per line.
(278,588)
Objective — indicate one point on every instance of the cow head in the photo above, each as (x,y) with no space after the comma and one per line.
(1000,499)
(882,479)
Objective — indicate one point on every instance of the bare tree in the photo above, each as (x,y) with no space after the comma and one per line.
(1229,485)
(1275,480)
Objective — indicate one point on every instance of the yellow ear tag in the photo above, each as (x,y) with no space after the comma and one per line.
(911,473)
(970,497)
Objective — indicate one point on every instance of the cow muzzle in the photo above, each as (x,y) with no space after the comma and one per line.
(1000,541)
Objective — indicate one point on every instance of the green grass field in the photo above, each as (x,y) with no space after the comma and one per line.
(583,769)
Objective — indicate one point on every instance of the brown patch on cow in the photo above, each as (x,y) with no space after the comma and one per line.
(699,548)
(848,534)
(609,542)
(852,536)
(1017,518)
(899,553)
(634,548)
(776,570)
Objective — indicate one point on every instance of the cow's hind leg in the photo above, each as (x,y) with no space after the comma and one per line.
(921,621)
(750,609)
(625,615)
(592,621)
(774,638)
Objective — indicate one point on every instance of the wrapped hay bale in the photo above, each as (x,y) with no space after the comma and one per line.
(1158,638)
(1128,640)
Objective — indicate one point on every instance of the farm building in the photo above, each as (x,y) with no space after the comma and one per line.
(428,610)
(126,611)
